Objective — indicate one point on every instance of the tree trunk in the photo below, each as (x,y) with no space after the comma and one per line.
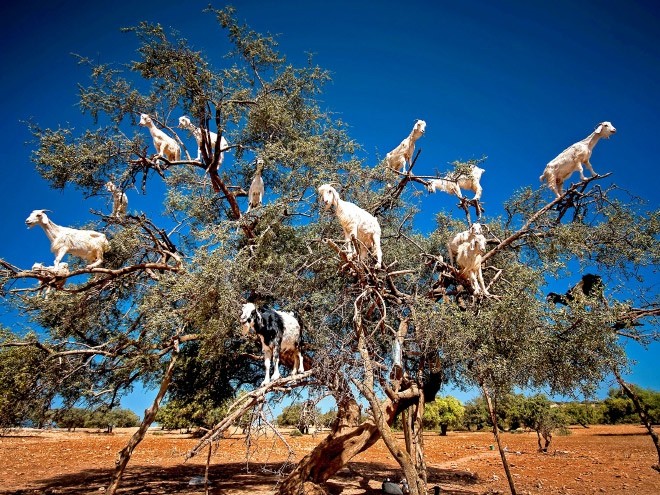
(547,436)
(443,429)
(643,416)
(496,432)
(418,439)
(406,423)
(346,440)
(149,417)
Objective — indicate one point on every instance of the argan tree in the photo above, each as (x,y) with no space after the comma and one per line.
(163,308)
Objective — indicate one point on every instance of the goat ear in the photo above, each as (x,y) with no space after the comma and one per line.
(599,128)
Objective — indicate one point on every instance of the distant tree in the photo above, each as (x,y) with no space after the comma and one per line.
(75,417)
(28,383)
(476,414)
(542,416)
(290,415)
(300,415)
(444,412)
(619,408)
(122,418)
(70,418)
(584,413)
(328,418)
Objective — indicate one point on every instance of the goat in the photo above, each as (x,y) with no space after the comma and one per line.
(446,185)
(470,235)
(46,275)
(571,159)
(184,123)
(468,258)
(397,158)
(86,244)
(355,222)
(589,286)
(166,146)
(256,192)
(472,181)
(280,334)
(119,200)
(453,184)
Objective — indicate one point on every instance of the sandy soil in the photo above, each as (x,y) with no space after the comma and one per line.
(601,459)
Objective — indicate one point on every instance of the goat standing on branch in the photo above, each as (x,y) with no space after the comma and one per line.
(402,154)
(453,183)
(166,146)
(280,334)
(355,222)
(256,192)
(119,200)
(86,244)
(467,248)
(468,235)
(571,159)
(211,138)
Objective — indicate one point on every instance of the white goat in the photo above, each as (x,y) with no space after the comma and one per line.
(454,186)
(166,146)
(469,235)
(45,274)
(119,200)
(402,154)
(85,244)
(445,185)
(571,159)
(184,123)
(256,192)
(355,222)
(468,258)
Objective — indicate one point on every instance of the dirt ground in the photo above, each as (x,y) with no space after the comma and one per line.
(600,459)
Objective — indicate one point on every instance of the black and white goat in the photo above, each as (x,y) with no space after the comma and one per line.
(280,334)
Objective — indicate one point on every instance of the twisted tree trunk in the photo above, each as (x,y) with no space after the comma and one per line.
(346,440)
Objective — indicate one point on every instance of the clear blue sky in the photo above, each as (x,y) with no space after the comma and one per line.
(516,81)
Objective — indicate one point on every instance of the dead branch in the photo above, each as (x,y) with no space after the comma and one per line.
(245,403)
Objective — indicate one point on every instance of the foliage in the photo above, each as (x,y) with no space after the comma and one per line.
(102,419)
(584,413)
(444,413)
(290,415)
(301,416)
(618,408)
(28,382)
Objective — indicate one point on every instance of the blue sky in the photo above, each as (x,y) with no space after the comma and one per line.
(515,81)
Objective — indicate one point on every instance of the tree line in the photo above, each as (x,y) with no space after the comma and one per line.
(515,411)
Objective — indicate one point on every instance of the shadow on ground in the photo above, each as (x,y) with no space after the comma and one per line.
(362,477)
